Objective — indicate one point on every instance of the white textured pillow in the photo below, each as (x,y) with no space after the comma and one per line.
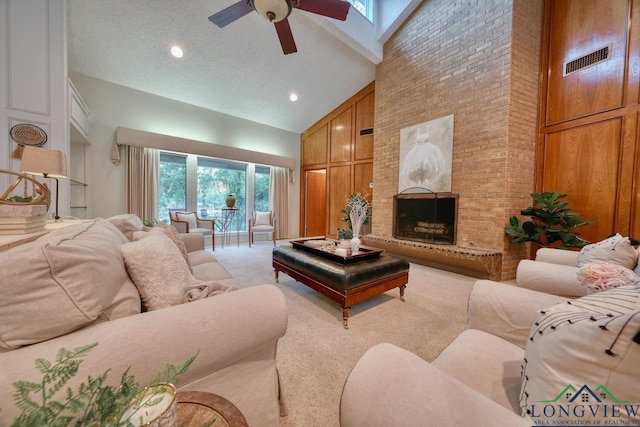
(158,270)
(189,217)
(263,218)
(616,249)
(173,234)
(583,354)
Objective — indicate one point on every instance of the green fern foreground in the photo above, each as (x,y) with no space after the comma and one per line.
(93,404)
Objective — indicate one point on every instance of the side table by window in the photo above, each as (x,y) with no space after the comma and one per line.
(196,408)
(224,224)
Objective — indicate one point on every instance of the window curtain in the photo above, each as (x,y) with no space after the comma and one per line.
(279,197)
(142,182)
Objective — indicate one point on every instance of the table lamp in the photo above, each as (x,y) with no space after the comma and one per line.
(44,162)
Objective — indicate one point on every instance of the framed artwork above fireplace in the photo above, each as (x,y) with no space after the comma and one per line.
(426,152)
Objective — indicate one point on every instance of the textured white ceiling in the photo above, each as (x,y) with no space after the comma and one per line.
(238,70)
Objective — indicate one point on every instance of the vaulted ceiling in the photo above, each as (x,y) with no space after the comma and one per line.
(238,70)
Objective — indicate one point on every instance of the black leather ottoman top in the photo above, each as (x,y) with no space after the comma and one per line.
(344,276)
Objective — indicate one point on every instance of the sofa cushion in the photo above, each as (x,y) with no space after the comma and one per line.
(584,352)
(615,249)
(67,279)
(496,370)
(201,257)
(158,270)
(127,224)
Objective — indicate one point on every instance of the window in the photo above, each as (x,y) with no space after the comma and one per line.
(216,180)
(365,7)
(172,192)
(261,189)
(197,183)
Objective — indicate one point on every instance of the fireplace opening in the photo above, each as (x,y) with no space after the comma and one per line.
(425,217)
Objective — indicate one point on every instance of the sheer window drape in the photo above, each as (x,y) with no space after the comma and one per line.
(142,182)
(280,180)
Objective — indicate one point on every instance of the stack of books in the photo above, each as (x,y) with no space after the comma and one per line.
(16,219)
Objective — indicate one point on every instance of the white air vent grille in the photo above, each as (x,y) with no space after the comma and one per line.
(588,60)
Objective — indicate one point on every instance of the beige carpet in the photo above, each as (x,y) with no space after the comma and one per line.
(317,353)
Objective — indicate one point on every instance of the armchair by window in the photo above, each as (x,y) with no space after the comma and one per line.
(188,222)
(262,222)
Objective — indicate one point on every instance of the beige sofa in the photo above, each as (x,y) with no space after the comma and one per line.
(554,271)
(520,348)
(71,288)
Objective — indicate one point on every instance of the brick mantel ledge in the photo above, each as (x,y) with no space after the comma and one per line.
(476,262)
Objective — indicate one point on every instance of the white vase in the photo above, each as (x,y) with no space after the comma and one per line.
(345,243)
(355,245)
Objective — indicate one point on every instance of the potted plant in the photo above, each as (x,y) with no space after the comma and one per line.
(552,224)
(345,234)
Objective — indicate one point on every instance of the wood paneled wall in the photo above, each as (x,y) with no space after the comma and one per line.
(334,146)
(589,136)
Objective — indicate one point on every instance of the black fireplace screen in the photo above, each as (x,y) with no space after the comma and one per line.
(425,217)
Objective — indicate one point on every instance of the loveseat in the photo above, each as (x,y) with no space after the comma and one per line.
(521,350)
(73,287)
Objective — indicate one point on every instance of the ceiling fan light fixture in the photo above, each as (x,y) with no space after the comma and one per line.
(272,10)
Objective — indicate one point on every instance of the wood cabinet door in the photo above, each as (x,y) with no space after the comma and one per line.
(339,192)
(583,163)
(315,215)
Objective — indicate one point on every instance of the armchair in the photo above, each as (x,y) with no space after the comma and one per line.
(262,222)
(474,381)
(188,222)
(521,348)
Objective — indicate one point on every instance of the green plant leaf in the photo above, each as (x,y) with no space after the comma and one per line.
(551,222)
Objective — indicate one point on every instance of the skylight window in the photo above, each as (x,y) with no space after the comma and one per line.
(365,7)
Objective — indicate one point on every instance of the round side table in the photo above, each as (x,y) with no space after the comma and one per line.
(196,408)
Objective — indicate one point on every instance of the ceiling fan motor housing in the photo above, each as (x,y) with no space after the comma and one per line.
(273,10)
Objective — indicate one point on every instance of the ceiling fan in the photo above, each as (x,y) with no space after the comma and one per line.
(277,11)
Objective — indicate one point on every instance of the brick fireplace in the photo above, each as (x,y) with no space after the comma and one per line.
(479,62)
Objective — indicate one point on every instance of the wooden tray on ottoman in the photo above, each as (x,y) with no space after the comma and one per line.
(365,252)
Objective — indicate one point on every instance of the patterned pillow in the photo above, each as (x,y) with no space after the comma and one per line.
(581,361)
(616,249)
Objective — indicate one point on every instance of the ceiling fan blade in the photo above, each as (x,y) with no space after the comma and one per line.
(286,37)
(230,14)
(336,9)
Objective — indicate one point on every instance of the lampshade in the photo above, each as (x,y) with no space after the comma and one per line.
(41,161)
(273,10)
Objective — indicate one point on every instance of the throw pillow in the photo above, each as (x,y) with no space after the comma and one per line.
(188,217)
(263,218)
(158,270)
(616,249)
(581,360)
(68,279)
(173,234)
(602,276)
(127,224)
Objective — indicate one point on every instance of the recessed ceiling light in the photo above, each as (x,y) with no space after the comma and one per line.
(176,51)
(293,97)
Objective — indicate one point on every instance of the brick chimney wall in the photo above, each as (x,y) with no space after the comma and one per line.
(480,61)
